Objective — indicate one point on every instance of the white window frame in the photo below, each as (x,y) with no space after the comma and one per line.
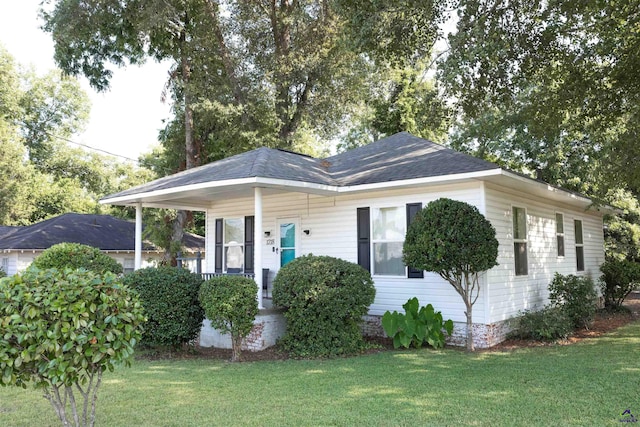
(579,244)
(560,236)
(375,241)
(128,265)
(5,265)
(229,245)
(517,241)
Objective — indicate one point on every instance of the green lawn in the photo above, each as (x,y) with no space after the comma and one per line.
(584,384)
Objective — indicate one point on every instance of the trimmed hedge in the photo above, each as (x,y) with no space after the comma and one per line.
(74,256)
(170,299)
(231,305)
(324,300)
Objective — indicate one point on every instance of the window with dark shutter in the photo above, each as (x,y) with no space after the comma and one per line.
(218,246)
(248,243)
(412,210)
(364,239)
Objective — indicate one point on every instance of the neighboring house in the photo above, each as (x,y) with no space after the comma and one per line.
(19,246)
(267,206)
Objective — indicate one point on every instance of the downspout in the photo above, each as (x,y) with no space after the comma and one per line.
(257,239)
(138,245)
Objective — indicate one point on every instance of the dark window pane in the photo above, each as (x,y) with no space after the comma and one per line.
(520,251)
(579,258)
(560,245)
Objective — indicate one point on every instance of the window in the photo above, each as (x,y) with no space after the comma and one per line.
(520,241)
(5,265)
(233,245)
(128,265)
(560,234)
(577,224)
(388,231)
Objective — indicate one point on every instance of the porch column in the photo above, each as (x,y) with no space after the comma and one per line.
(138,247)
(257,238)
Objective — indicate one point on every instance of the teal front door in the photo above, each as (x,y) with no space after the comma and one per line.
(288,238)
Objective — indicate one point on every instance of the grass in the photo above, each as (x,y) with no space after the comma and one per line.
(589,383)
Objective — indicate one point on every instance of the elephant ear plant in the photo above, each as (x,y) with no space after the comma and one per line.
(454,240)
(416,326)
(61,330)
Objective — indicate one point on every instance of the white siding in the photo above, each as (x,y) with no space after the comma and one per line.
(332,222)
(509,293)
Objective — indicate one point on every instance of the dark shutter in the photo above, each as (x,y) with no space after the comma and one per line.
(364,245)
(249,240)
(412,210)
(219,246)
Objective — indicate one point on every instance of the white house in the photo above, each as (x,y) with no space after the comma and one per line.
(267,206)
(19,246)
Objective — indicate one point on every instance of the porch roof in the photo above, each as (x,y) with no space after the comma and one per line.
(401,160)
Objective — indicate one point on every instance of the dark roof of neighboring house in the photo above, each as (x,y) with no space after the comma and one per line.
(6,230)
(101,231)
(399,157)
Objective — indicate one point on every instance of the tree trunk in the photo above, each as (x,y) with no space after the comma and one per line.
(236,347)
(470,346)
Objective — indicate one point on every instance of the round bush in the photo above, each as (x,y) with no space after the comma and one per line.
(324,300)
(74,256)
(619,279)
(230,303)
(170,299)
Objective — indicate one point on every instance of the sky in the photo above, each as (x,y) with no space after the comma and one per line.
(124,120)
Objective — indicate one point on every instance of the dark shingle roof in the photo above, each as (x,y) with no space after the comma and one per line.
(399,157)
(101,231)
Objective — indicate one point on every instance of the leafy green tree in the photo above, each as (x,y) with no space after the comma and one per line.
(551,82)
(61,330)
(454,240)
(229,302)
(74,256)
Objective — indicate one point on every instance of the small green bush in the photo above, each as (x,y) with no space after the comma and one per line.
(170,299)
(75,255)
(231,305)
(619,279)
(548,324)
(2,273)
(324,300)
(417,325)
(61,330)
(576,296)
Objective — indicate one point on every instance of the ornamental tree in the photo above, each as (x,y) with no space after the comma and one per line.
(61,330)
(230,304)
(454,240)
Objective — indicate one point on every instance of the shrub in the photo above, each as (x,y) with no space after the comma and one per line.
(75,255)
(230,304)
(170,299)
(619,279)
(417,325)
(61,330)
(2,273)
(324,300)
(548,324)
(576,296)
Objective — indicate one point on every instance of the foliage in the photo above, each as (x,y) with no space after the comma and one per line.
(74,256)
(229,302)
(622,227)
(170,298)
(619,279)
(577,297)
(549,324)
(417,325)
(61,330)
(2,273)
(553,82)
(324,300)
(454,240)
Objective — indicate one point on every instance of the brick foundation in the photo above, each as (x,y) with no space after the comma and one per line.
(484,336)
(268,326)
